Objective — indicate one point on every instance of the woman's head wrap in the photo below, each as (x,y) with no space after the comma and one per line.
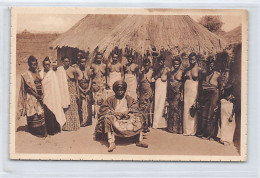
(119,83)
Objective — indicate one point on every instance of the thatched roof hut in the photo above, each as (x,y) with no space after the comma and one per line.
(168,31)
(140,32)
(85,34)
(234,36)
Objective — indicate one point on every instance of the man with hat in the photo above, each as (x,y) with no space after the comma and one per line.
(120,116)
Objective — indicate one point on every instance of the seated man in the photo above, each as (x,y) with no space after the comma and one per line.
(119,116)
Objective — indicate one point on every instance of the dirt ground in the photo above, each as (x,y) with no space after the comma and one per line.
(82,142)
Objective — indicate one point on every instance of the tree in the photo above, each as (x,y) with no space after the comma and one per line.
(212,22)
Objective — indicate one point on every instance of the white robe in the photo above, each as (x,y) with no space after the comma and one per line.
(63,86)
(160,97)
(113,77)
(52,97)
(227,129)
(190,96)
(131,81)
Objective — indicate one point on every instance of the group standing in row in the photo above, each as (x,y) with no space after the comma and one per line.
(188,98)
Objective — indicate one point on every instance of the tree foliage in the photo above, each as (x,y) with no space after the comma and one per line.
(212,22)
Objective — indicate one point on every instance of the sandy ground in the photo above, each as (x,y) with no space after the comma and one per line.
(82,142)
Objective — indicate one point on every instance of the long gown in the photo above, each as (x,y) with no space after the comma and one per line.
(72,115)
(85,106)
(30,106)
(227,129)
(175,119)
(146,100)
(54,114)
(131,81)
(159,121)
(190,96)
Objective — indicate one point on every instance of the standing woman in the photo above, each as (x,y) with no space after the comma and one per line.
(130,71)
(85,100)
(115,70)
(159,121)
(68,77)
(99,82)
(146,92)
(53,111)
(190,96)
(175,97)
(30,101)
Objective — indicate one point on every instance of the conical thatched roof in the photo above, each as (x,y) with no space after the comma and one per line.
(88,31)
(234,36)
(142,31)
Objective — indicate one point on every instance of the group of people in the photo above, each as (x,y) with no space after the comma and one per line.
(190,97)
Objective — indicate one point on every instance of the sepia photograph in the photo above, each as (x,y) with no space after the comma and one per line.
(128,84)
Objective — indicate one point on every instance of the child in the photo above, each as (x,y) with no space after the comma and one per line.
(228,124)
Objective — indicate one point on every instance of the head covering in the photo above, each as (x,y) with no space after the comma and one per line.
(119,83)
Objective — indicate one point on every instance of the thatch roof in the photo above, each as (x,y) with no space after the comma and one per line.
(234,36)
(142,31)
(88,31)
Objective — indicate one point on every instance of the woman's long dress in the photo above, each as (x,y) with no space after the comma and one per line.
(131,81)
(175,119)
(159,121)
(72,115)
(85,106)
(227,129)
(30,106)
(190,96)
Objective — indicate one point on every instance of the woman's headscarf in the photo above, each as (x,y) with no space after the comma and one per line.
(119,83)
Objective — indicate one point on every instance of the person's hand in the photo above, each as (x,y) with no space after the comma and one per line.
(216,109)
(166,103)
(230,119)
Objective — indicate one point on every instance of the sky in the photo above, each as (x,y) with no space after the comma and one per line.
(58,23)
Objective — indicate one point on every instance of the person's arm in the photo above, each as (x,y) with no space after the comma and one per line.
(230,119)
(122,71)
(89,85)
(107,71)
(21,100)
(76,77)
(32,92)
